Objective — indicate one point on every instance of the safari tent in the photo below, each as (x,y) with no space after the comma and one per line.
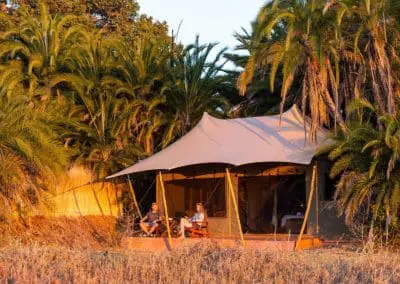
(250,173)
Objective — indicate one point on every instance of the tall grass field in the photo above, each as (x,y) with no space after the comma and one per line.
(203,263)
(86,250)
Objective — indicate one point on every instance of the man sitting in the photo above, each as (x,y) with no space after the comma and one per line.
(149,223)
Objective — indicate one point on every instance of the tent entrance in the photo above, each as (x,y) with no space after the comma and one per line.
(182,196)
(265,200)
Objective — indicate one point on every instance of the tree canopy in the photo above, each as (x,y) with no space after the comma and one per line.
(102,89)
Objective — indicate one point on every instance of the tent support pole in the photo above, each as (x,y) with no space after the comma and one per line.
(134,197)
(165,209)
(275,218)
(317,199)
(229,207)
(306,215)
(235,204)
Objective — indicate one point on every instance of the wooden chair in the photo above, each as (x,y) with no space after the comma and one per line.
(199,229)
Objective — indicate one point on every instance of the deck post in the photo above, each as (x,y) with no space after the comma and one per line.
(235,204)
(306,215)
(165,209)
(134,197)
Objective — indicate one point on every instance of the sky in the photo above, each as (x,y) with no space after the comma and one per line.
(213,20)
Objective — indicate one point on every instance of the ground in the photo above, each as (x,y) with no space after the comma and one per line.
(86,262)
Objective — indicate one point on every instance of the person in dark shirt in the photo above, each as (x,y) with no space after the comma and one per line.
(149,223)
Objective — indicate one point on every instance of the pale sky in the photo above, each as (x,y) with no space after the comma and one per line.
(213,20)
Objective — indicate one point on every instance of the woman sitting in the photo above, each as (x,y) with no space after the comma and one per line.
(197,218)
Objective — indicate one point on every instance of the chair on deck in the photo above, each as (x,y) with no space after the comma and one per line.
(199,229)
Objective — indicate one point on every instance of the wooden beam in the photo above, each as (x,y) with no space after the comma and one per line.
(235,204)
(306,215)
(249,172)
(317,198)
(165,209)
(228,205)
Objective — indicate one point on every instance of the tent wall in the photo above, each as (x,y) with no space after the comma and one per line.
(97,200)
(330,225)
(323,219)
(219,226)
(70,198)
(259,210)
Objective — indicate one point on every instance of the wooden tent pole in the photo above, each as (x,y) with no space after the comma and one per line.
(134,197)
(235,204)
(275,210)
(165,209)
(317,199)
(229,208)
(306,215)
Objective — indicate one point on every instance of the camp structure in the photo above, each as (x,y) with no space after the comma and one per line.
(76,193)
(256,176)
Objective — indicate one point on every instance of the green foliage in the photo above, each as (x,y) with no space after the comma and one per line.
(75,7)
(113,100)
(30,153)
(104,141)
(145,27)
(194,81)
(322,54)
(5,22)
(367,160)
(37,45)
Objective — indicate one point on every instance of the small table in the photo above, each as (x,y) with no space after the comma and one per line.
(290,217)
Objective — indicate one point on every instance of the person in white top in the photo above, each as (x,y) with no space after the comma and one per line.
(198,217)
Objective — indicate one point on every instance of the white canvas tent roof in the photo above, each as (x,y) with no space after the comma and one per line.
(237,142)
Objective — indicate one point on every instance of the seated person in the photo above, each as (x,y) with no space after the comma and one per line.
(149,222)
(198,217)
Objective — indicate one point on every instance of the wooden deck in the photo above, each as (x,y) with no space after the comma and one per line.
(253,241)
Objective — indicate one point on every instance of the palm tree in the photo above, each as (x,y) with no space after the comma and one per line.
(30,153)
(258,99)
(104,137)
(336,51)
(195,80)
(142,68)
(37,43)
(367,159)
(372,29)
(295,38)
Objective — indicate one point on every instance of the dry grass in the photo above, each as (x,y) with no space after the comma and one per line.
(85,250)
(198,264)
(95,232)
